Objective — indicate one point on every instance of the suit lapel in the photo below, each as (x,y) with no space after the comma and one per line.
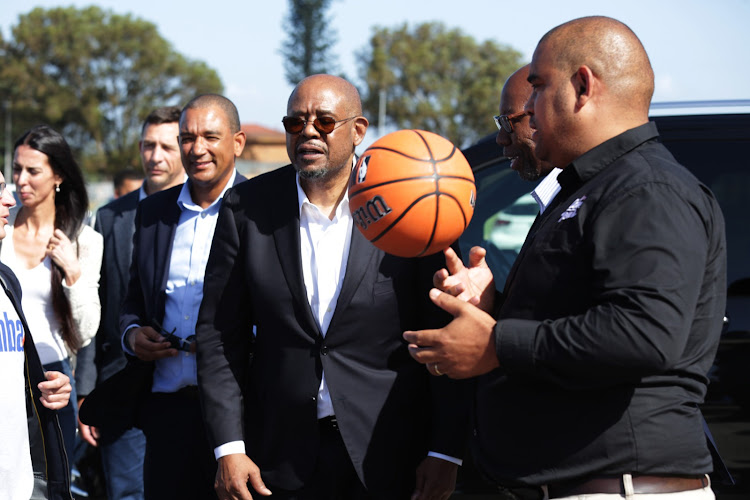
(361,253)
(163,240)
(287,240)
(123,227)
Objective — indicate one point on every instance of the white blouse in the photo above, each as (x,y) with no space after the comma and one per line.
(83,295)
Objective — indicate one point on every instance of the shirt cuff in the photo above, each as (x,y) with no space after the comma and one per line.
(452,460)
(229,448)
(123,342)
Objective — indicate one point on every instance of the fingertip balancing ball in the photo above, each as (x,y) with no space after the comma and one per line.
(412,193)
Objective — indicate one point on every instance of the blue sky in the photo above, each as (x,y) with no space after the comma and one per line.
(700,50)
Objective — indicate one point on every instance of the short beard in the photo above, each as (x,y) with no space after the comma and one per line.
(312,174)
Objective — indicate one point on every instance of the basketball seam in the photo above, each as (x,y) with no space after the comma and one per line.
(352,194)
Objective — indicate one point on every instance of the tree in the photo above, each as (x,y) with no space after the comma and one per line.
(436,79)
(307,50)
(95,75)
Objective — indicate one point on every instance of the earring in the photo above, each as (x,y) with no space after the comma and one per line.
(57,188)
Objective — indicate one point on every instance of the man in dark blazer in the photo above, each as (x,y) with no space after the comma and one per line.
(324,402)
(122,450)
(170,249)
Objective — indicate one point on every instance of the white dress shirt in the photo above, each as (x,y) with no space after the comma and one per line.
(546,191)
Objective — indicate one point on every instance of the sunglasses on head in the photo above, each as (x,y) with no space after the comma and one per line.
(324,124)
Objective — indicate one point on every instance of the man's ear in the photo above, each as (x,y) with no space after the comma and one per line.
(585,85)
(359,129)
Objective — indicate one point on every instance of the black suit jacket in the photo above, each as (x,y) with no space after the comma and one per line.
(115,221)
(390,411)
(155,224)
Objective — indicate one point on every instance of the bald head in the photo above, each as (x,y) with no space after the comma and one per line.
(347,92)
(516,89)
(217,101)
(612,51)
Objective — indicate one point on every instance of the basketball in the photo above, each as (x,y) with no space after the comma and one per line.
(412,193)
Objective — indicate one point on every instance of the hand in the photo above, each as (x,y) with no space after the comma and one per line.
(474,284)
(232,476)
(63,253)
(55,391)
(87,433)
(463,348)
(436,479)
(149,345)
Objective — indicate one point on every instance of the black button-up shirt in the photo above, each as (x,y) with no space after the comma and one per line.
(610,321)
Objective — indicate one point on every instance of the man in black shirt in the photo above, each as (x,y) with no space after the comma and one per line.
(595,361)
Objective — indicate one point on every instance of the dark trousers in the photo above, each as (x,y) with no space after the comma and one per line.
(334,478)
(122,462)
(179,463)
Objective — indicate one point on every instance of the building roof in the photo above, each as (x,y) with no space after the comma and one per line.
(258,134)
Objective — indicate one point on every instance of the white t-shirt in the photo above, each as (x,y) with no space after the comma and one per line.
(16,474)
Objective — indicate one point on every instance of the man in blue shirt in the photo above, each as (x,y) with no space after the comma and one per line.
(174,229)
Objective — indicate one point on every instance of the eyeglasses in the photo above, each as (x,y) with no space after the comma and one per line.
(324,124)
(504,122)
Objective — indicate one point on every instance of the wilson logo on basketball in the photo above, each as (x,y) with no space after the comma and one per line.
(372,211)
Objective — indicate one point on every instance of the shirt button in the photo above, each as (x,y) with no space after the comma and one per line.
(324,350)
(203,215)
(187,317)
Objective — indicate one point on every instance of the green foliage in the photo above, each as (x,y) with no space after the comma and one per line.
(310,38)
(436,79)
(95,75)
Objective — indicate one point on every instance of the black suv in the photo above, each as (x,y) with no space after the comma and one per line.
(716,148)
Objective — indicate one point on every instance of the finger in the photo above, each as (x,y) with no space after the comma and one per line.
(477,256)
(425,355)
(151,334)
(452,261)
(447,302)
(257,483)
(421,339)
(439,277)
(55,380)
(87,435)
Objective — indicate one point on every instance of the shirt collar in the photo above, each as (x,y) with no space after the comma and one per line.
(302,198)
(546,191)
(185,201)
(600,157)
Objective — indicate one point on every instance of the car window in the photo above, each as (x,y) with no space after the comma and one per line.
(502,217)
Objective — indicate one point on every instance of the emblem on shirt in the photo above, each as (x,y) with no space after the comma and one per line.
(572,210)
(362,172)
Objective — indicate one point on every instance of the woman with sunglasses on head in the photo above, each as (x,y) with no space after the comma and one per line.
(54,254)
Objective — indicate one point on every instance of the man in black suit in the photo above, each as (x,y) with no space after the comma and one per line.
(595,361)
(172,240)
(306,384)
(122,449)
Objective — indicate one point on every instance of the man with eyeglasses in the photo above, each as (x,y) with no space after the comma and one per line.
(592,366)
(329,405)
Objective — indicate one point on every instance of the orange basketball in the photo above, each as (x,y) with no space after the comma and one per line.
(412,193)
